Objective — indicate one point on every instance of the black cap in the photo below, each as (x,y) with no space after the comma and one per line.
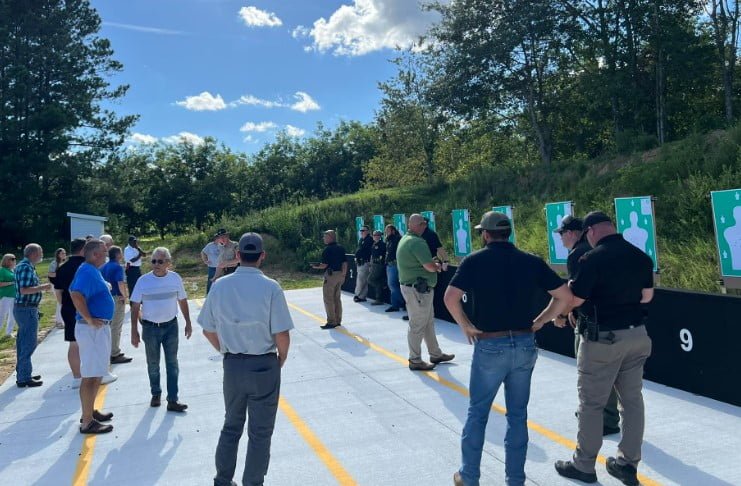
(570,223)
(132,238)
(596,217)
(221,232)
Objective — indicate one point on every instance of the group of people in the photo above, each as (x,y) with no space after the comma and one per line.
(94,284)
(609,282)
(221,256)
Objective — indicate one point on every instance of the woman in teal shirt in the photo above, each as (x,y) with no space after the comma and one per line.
(7,292)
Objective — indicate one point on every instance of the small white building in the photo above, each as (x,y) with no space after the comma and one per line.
(82,225)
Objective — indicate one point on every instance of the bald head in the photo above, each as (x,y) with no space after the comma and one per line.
(416,224)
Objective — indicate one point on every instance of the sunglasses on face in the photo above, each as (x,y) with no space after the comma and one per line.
(158,262)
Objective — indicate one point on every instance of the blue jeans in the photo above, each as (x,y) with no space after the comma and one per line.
(211,273)
(392,276)
(165,335)
(508,360)
(27,319)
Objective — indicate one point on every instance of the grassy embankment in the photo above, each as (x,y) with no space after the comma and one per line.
(680,175)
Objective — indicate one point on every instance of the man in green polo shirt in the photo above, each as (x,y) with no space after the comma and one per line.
(418,277)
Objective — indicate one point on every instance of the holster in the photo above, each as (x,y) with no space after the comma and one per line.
(421,286)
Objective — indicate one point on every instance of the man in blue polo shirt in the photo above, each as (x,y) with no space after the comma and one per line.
(501,282)
(95,306)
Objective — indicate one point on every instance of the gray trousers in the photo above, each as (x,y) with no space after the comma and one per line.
(421,323)
(602,366)
(610,415)
(251,386)
(119,311)
(361,284)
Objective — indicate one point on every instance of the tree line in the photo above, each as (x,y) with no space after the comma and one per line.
(494,83)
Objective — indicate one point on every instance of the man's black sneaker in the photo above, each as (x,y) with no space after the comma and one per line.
(329,326)
(405,318)
(392,309)
(28,384)
(625,472)
(610,430)
(358,299)
(568,470)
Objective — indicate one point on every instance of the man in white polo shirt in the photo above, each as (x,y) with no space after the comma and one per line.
(133,256)
(246,318)
(157,296)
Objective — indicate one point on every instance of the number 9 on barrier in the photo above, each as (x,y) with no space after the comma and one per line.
(685,336)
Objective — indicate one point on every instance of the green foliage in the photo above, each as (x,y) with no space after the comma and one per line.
(680,175)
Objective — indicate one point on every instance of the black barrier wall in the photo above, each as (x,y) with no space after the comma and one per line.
(695,337)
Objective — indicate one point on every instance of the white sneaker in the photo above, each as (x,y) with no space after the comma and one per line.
(109,378)
(76,382)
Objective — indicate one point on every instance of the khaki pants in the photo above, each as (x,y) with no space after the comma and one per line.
(332,301)
(421,323)
(610,415)
(116,325)
(361,284)
(602,366)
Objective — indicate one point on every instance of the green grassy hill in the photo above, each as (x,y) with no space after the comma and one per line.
(680,175)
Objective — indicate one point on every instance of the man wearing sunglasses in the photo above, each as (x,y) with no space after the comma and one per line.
(157,296)
(362,262)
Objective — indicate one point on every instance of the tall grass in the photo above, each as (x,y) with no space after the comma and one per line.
(680,175)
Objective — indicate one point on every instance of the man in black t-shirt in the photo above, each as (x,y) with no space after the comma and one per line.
(65,275)
(334,265)
(436,247)
(617,279)
(502,282)
(575,240)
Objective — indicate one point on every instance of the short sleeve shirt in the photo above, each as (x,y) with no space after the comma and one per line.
(611,278)
(129,254)
(212,251)
(65,275)
(334,256)
(113,274)
(502,283)
(26,276)
(411,254)
(246,309)
(6,275)
(433,241)
(159,296)
(89,282)
(228,251)
(573,261)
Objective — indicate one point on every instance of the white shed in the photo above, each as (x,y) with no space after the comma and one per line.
(82,225)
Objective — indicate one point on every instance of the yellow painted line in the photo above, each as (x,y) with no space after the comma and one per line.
(535,427)
(88,446)
(340,473)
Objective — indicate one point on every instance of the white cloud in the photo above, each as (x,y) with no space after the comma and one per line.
(258,127)
(305,103)
(142,139)
(186,137)
(254,17)
(369,25)
(300,32)
(292,131)
(255,101)
(250,139)
(203,102)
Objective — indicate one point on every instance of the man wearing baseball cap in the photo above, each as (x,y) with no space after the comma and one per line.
(246,318)
(500,282)
(616,278)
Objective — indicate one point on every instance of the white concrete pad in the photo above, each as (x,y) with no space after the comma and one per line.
(369,416)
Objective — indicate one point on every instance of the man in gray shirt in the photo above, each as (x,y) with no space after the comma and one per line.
(246,318)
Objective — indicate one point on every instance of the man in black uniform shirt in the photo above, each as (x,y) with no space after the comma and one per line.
(501,282)
(575,240)
(616,278)
(436,246)
(377,277)
(362,264)
(334,265)
(65,275)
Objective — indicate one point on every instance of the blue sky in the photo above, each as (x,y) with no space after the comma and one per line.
(242,71)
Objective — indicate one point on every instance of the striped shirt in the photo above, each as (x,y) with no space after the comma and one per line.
(25,276)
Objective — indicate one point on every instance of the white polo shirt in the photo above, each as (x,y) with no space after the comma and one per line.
(159,296)
(245,309)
